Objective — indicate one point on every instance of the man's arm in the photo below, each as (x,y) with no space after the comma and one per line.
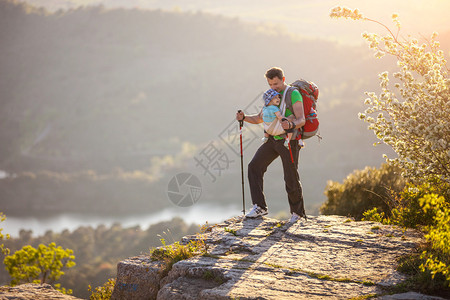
(299,120)
(253,119)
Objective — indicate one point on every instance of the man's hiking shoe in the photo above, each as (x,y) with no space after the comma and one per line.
(256,211)
(295,218)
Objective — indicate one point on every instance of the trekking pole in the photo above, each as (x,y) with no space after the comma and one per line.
(290,151)
(241,124)
(289,143)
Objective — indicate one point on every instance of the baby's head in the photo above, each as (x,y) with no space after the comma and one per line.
(271,97)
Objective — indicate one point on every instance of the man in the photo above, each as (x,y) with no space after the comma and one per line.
(273,148)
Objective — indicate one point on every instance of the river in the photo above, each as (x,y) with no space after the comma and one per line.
(197,214)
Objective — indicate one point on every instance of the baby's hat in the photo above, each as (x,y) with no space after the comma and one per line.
(268,96)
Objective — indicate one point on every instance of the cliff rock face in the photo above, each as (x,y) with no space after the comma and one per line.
(323,257)
(32,291)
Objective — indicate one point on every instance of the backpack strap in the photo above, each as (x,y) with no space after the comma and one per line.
(288,99)
(288,104)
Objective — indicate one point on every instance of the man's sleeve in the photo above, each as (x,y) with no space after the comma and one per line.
(296,96)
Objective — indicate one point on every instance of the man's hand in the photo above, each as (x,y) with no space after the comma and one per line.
(286,124)
(252,119)
(240,115)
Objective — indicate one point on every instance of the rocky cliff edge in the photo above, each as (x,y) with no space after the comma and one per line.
(322,257)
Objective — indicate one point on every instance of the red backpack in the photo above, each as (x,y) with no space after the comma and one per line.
(310,94)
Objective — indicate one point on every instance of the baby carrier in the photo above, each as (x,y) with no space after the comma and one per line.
(274,128)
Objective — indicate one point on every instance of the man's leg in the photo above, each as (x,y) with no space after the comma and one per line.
(291,176)
(264,156)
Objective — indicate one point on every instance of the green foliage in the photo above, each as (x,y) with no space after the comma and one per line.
(415,125)
(230,230)
(3,250)
(361,190)
(420,208)
(407,208)
(63,290)
(419,280)
(429,267)
(98,250)
(170,254)
(438,256)
(103,292)
(374,216)
(42,265)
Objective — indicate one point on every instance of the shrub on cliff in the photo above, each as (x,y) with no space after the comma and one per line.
(170,254)
(409,209)
(39,265)
(103,292)
(427,207)
(438,255)
(362,190)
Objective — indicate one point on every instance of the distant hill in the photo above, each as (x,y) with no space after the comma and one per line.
(90,83)
(299,17)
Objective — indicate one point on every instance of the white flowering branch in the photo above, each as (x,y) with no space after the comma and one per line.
(416,125)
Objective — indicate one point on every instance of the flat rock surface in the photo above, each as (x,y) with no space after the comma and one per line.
(325,256)
(32,291)
(328,257)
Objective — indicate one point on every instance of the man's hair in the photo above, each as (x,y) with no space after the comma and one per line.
(274,72)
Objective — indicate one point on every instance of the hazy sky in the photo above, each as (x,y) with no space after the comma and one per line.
(302,17)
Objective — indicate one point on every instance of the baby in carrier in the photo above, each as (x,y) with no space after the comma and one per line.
(272,117)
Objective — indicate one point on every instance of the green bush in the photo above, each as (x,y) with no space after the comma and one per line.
(438,256)
(39,265)
(419,280)
(374,216)
(408,207)
(429,267)
(103,292)
(170,254)
(98,250)
(363,190)
(427,207)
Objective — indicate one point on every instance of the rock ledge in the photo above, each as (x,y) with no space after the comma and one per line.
(323,257)
(32,291)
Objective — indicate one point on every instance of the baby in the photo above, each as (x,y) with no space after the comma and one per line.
(271,114)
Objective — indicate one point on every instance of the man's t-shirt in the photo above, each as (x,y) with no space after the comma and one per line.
(295,97)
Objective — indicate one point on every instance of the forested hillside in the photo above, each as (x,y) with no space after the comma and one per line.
(98,250)
(92,84)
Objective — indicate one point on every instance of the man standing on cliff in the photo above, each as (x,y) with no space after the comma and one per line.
(273,148)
